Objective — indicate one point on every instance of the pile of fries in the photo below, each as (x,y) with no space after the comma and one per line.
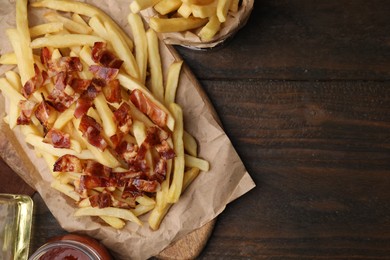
(206,16)
(94,104)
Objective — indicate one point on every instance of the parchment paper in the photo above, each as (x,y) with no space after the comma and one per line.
(203,200)
(190,39)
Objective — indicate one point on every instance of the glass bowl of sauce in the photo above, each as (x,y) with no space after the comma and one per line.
(72,247)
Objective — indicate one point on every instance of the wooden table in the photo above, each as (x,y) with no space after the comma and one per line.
(303,91)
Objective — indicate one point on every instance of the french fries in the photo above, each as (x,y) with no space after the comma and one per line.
(203,17)
(96,109)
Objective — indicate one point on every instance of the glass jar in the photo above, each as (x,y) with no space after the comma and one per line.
(72,247)
(15,226)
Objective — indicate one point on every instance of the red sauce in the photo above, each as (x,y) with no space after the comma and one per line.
(72,247)
(64,253)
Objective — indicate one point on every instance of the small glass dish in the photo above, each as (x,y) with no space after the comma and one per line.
(15,226)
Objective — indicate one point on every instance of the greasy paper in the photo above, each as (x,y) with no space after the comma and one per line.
(202,201)
(190,39)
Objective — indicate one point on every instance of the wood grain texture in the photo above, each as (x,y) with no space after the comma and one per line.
(304,40)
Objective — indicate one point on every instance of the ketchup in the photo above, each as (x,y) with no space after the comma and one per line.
(72,247)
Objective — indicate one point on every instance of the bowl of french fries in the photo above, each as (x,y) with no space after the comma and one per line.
(196,24)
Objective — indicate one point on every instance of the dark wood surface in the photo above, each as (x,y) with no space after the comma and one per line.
(303,92)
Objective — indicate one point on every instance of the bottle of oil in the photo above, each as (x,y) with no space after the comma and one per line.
(15,226)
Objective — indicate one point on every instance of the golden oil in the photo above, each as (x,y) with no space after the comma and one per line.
(15,226)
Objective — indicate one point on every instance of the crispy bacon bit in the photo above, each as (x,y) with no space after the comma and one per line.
(123,118)
(101,55)
(105,73)
(46,115)
(131,191)
(101,200)
(86,99)
(80,85)
(156,114)
(160,170)
(165,151)
(35,82)
(64,64)
(112,91)
(145,185)
(68,163)
(96,169)
(90,182)
(27,109)
(128,151)
(57,138)
(59,98)
(91,130)
(45,55)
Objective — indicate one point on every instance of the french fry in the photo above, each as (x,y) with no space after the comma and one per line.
(189,177)
(114,222)
(66,189)
(98,27)
(108,211)
(11,93)
(167,6)
(24,65)
(204,11)
(142,209)
(65,41)
(122,50)
(78,19)
(178,169)
(210,29)
(140,42)
(154,60)
(191,161)
(105,113)
(14,79)
(222,9)
(83,9)
(172,82)
(138,5)
(180,24)
(24,41)
(185,10)
(46,28)
(36,141)
(65,117)
(199,2)
(69,24)
(190,145)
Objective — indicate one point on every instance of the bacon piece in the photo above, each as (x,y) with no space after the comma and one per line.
(156,114)
(164,150)
(101,200)
(46,115)
(68,163)
(101,55)
(45,55)
(123,118)
(160,170)
(112,91)
(57,138)
(64,64)
(27,109)
(86,99)
(90,182)
(37,81)
(96,169)
(91,130)
(59,98)
(105,73)
(131,191)
(80,85)
(145,185)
